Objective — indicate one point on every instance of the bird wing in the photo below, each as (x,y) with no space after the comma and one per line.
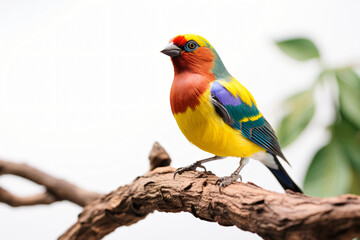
(237,107)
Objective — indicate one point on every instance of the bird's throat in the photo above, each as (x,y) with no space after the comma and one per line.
(187,89)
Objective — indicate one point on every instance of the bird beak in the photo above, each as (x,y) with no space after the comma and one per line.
(172,50)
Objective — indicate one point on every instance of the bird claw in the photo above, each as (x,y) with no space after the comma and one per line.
(191,167)
(227,180)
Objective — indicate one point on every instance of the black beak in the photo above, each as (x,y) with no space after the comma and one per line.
(172,50)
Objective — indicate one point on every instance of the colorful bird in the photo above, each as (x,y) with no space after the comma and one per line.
(218,114)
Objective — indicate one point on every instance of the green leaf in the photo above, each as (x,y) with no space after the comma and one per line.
(301,110)
(301,49)
(349,137)
(349,95)
(329,174)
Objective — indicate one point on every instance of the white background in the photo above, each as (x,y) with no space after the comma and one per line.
(84,92)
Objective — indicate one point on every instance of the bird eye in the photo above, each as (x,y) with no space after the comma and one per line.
(191,46)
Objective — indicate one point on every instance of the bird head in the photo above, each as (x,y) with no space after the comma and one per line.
(193,53)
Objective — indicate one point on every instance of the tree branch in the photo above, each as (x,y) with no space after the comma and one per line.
(269,214)
(245,205)
(56,189)
(16,201)
(59,189)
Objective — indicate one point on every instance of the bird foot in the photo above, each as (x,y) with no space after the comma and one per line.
(191,167)
(227,180)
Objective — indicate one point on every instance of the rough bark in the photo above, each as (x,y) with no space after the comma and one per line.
(269,214)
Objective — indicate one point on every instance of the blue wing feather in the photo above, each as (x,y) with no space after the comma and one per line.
(247,119)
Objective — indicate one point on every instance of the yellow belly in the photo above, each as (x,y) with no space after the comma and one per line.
(204,128)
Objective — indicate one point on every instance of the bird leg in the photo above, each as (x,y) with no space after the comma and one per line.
(195,165)
(227,180)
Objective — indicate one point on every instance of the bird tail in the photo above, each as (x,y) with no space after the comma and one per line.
(284,178)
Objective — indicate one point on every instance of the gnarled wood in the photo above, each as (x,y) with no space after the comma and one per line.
(245,205)
(158,157)
(269,214)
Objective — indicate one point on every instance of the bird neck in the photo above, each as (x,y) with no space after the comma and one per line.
(186,90)
(219,69)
